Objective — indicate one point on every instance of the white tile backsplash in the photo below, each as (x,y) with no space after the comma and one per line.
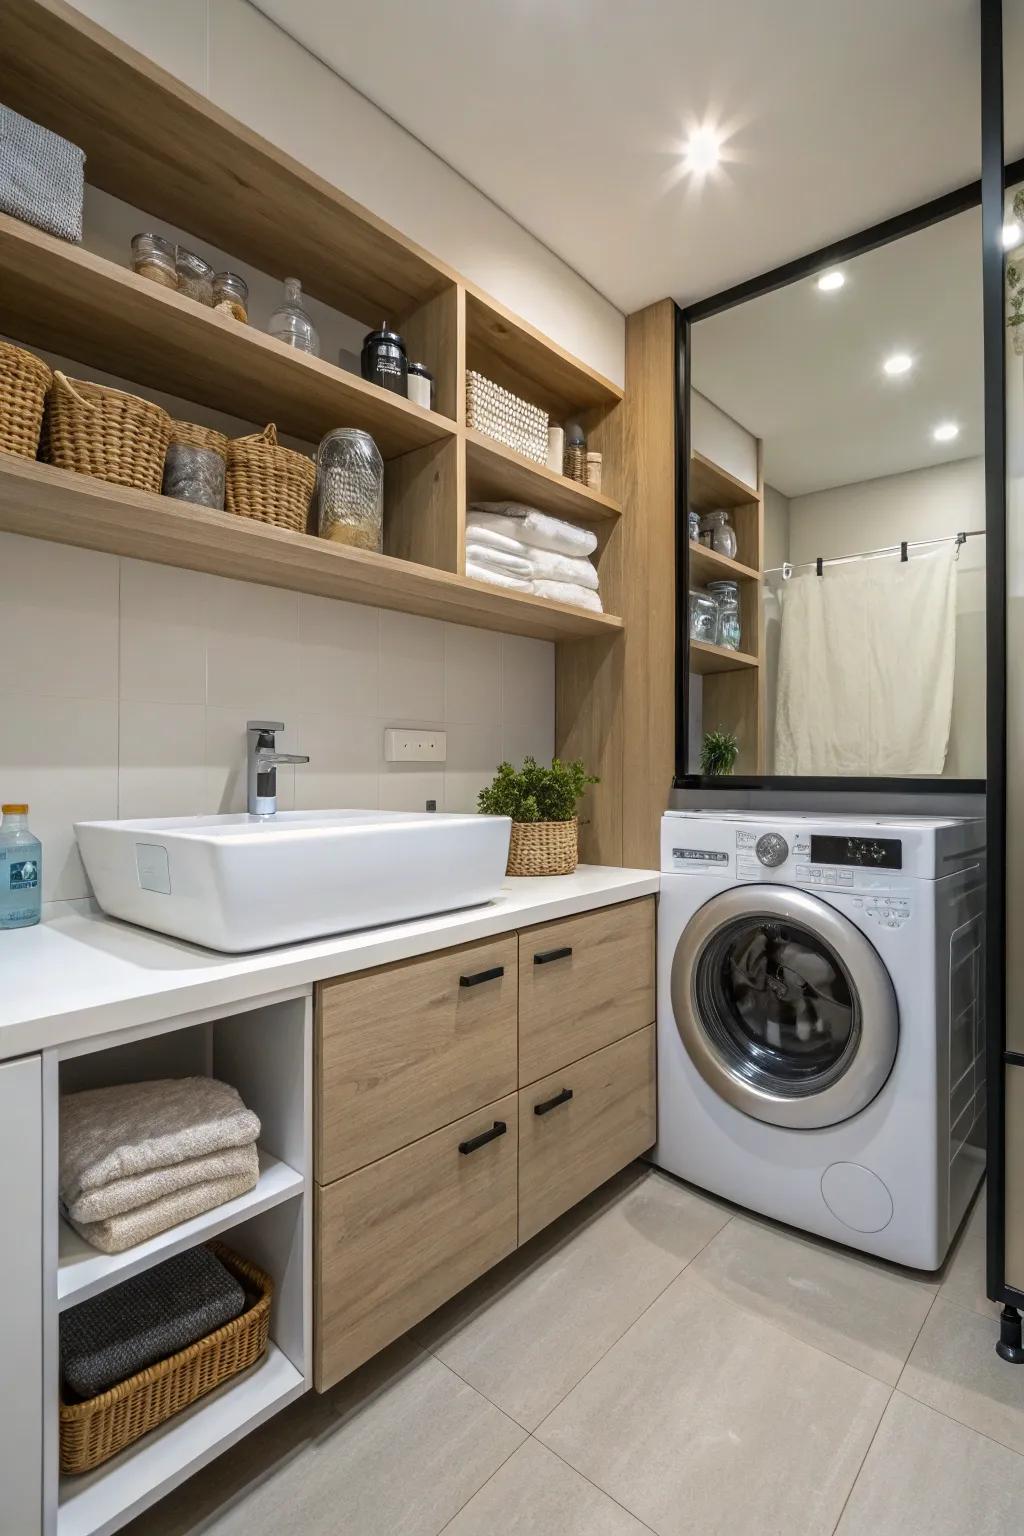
(131,684)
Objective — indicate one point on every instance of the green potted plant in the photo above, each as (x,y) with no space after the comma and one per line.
(718,754)
(542,804)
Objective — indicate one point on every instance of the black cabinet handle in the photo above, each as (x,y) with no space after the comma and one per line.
(549,1104)
(497,1129)
(491,975)
(547,955)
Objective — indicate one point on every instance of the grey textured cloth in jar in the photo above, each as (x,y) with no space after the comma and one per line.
(194,474)
(349,493)
(133,1325)
(42,177)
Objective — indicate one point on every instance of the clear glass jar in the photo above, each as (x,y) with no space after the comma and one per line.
(725,595)
(195,276)
(231,293)
(718,534)
(291,322)
(349,494)
(194,474)
(693,523)
(703,613)
(153,257)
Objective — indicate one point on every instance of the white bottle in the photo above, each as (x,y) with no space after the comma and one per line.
(21,870)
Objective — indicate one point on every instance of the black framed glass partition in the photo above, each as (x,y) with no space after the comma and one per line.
(831,532)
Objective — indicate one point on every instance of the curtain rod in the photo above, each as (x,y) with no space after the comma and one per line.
(901,549)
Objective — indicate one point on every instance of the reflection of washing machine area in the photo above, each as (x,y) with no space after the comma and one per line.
(820,1025)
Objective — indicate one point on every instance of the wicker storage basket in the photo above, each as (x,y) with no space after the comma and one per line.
(268,482)
(542,848)
(199,437)
(93,1431)
(24,380)
(99,431)
(507,418)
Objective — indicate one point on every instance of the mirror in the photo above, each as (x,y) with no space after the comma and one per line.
(838,419)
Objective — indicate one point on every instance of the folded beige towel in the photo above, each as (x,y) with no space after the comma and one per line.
(140,1188)
(115,1133)
(120,1232)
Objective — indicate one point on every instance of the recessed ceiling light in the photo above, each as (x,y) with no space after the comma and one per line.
(946,431)
(900,362)
(1011,235)
(702,150)
(828,282)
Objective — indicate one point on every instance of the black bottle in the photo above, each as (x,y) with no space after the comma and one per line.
(383,360)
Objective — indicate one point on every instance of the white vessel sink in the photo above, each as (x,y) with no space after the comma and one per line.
(247,882)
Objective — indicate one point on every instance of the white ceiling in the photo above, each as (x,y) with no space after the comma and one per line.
(803,369)
(570,115)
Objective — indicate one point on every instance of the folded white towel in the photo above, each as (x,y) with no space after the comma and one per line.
(569,592)
(114,1133)
(535,528)
(497,578)
(117,1233)
(499,560)
(137,1189)
(545,565)
(487,538)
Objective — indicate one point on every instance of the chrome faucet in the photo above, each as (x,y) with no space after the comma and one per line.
(261,761)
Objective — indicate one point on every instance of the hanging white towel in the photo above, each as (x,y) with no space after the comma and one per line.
(866,667)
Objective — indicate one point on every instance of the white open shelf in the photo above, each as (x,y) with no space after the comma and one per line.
(82,1271)
(102,1501)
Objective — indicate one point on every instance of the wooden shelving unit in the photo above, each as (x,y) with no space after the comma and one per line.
(155,143)
(732,682)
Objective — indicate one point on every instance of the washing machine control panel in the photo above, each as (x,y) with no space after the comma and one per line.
(874,885)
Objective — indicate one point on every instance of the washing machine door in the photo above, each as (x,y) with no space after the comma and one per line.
(784,1006)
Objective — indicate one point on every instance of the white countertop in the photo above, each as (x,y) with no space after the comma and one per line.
(79,973)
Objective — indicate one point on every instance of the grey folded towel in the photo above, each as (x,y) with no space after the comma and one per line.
(116,1133)
(112,1336)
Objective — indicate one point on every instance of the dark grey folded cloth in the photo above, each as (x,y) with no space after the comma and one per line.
(111,1337)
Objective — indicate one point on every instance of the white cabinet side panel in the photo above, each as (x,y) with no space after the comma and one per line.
(21,1297)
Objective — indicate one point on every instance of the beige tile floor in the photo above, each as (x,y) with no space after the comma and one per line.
(656,1362)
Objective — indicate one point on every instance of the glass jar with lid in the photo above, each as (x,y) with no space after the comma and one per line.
(693,526)
(349,494)
(725,595)
(153,258)
(231,294)
(718,534)
(292,323)
(703,615)
(195,276)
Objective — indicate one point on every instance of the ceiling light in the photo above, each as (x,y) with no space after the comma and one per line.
(946,431)
(828,282)
(1011,235)
(702,151)
(900,362)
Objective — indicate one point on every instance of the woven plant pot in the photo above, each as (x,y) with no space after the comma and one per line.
(269,483)
(199,437)
(93,1431)
(24,380)
(542,848)
(95,430)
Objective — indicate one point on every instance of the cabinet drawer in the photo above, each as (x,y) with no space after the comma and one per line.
(584,982)
(411,1047)
(398,1238)
(574,1143)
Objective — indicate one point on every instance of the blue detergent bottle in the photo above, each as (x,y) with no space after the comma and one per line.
(21,870)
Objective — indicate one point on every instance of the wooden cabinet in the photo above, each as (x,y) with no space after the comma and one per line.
(431,1164)
(399,1237)
(407,1048)
(581,1125)
(584,982)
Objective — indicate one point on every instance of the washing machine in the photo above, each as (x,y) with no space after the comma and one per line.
(820,1021)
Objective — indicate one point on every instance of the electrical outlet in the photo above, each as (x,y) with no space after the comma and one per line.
(422,746)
